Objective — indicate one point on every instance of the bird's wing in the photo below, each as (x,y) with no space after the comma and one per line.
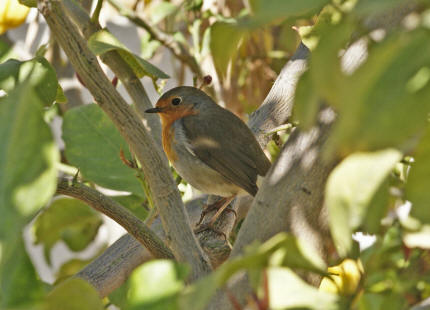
(227,145)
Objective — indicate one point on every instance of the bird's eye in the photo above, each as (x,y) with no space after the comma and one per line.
(176,101)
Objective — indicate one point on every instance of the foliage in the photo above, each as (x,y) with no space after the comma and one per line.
(102,42)
(381,139)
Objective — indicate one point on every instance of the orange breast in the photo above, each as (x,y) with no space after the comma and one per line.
(168,136)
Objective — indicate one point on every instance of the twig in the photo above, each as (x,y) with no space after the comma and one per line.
(118,213)
(177,49)
(140,176)
(288,126)
(96,13)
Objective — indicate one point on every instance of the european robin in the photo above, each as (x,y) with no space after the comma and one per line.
(210,147)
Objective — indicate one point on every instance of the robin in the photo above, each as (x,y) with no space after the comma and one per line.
(210,147)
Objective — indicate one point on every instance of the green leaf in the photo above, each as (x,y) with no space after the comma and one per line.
(324,65)
(371,7)
(155,285)
(324,78)
(119,296)
(38,72)
(74,294)
(282,249)
(198,295)
(385,102)
(161,10)
(383,254)
(394,301)
(69,220)
(418,183)
(350,189)
(103,41)
(6,50)
(222,49)
(60,97)
(93,145)
(146,68)
(28,157)
(20,287)
(288,291)
(370,301)
(134,203)
(295,253)
(377,208)
(273,150)
(29,3)
(307,102)
(266,11)
(193,5)
(148,46)
(71,267)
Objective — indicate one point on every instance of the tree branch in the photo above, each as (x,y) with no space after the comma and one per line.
(277,107)
(119,67)
(166,196)
(112,268)
(108,271)
(118,213)
(177,49)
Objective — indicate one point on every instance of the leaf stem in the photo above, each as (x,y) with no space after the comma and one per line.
(96,13)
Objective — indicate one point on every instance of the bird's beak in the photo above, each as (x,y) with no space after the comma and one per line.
(154,110)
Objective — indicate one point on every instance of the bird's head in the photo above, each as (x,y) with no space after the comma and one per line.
(179,102)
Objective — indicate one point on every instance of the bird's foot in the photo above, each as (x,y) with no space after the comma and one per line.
(209,208)
(209,226)
(220,206)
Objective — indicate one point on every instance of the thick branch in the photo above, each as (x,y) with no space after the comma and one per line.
(180,237)
(112,268)
(118,213)
(108,271)
(278,104)
(291,196)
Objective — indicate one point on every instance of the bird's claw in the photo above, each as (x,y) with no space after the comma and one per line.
(206,211)
(209,226)
(216,206)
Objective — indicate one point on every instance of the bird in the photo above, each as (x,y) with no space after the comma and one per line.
(209,146)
